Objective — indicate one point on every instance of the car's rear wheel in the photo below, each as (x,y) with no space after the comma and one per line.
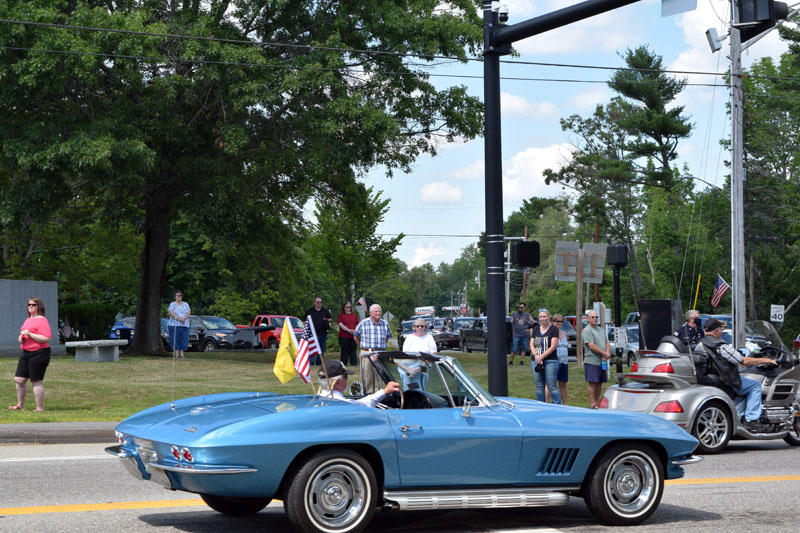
(272,344)
(333,492)
(712,428)
(631,358)
(624,485)
(235,506)
(209,346)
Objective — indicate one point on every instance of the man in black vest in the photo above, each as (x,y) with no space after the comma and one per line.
(728,361)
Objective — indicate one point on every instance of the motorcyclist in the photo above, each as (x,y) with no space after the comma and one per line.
(728,361)
(690,332)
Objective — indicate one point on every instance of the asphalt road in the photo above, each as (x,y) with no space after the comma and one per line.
(78,487)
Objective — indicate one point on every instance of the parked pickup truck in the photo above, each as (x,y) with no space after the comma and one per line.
(271,337)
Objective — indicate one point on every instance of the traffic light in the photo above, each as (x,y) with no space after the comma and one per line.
(525,253)
(757,16)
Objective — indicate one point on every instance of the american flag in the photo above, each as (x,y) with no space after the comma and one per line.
(720,289)
(362,302)
(307,347)
(66,331)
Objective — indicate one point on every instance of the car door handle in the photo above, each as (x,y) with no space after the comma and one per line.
(406,428)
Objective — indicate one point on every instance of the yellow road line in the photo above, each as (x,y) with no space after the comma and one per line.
(82,508)
(713,480)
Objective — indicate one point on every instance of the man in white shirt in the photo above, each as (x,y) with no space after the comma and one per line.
(337,376)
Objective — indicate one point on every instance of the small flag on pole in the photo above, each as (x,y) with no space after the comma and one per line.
(362,302)
(284,359)
(307,348)
(720,288)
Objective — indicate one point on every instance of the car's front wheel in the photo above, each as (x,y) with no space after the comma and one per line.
(712,428)
(209,346)
(235,506)
(272,344)
(624,485)
(334,491)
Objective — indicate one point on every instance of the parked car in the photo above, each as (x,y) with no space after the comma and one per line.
(461,321)
(571,337)
(444,334)
(126,328)
(271,327)
(450,445)
(632,319)
(632,346)
(475,337)
(215,332)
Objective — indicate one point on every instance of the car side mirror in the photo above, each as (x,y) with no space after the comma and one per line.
(466,412)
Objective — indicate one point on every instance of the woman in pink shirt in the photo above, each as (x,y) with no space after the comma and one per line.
(34,336)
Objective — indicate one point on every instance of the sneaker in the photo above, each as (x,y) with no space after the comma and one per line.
(510,363)
(522,362)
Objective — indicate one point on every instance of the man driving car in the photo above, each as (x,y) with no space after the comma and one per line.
(337,375)
(728,361)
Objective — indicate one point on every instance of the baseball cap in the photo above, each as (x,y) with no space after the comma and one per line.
(713,323)
(334,367)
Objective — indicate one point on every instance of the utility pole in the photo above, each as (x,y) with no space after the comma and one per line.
(737,186)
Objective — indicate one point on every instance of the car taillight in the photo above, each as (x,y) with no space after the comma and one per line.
(665,368)
(635,367)
(120,438)
(187,455)
(672,406)
(176,453)
(603,403)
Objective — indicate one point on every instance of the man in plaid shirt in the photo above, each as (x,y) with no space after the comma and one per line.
(371,335)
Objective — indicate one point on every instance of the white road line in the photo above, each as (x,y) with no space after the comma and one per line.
(62,458)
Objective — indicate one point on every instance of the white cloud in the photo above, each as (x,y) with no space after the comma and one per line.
(589,98)
(511,104)
(524,178)
(440,192)
(430,253)
(473,171)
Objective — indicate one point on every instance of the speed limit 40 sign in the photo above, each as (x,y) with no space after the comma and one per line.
(776,313)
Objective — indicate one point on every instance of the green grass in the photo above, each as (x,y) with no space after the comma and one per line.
(94,392)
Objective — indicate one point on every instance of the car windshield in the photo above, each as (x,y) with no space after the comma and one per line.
(408,326)
(216,322)
(766,330)
(438,323)
(567,327)
(446,380)
(461,322)
(129,321)
(295,322)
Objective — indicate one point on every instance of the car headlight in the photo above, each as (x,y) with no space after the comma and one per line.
(220,335)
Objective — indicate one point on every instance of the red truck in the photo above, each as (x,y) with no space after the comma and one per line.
(272,338)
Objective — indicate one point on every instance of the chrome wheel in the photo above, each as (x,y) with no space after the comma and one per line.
(630,483)
(624,485)
(712,428)
(335,491)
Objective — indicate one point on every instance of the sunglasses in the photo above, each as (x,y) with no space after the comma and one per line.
(420,327)
(543,309)
(557,321)
(33,305)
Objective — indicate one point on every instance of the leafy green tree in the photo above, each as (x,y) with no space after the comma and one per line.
(150,127)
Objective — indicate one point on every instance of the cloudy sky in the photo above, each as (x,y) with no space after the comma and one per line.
(440,204)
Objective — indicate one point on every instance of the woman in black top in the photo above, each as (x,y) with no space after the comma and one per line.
(544,360)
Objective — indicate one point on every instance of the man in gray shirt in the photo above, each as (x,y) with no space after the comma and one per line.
(521,323)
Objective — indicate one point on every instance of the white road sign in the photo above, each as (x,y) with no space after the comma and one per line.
(776,313)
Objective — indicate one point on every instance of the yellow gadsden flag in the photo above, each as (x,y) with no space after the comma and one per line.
(284,360)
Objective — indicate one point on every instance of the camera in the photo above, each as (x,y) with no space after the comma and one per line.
(539,367)
(502,13)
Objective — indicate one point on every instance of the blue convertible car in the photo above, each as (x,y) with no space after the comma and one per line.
(450,445)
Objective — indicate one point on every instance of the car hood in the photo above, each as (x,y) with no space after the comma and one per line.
(203,415)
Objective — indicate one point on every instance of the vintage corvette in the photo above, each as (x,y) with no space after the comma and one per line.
(450,445)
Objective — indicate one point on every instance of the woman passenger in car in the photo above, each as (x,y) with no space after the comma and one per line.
(414,372)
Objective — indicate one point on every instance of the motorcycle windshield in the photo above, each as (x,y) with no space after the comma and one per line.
(765,329)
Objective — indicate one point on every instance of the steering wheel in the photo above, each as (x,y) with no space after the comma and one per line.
(418,400)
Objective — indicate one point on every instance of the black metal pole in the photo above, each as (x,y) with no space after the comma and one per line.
(617,310)
(493,178)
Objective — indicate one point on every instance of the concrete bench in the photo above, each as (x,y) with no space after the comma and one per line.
(97,351)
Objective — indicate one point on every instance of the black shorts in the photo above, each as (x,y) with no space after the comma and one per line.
(32,365)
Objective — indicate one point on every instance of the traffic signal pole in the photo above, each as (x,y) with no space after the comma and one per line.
(497,41)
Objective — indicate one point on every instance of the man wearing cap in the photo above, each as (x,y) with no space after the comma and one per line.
(371,335)
(728,360)
(337,377)
(690,332)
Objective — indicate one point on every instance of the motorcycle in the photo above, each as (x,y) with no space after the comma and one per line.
(664,382)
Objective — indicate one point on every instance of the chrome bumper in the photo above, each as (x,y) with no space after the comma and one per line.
(690,460)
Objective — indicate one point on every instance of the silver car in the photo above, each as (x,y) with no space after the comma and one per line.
(663,382)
